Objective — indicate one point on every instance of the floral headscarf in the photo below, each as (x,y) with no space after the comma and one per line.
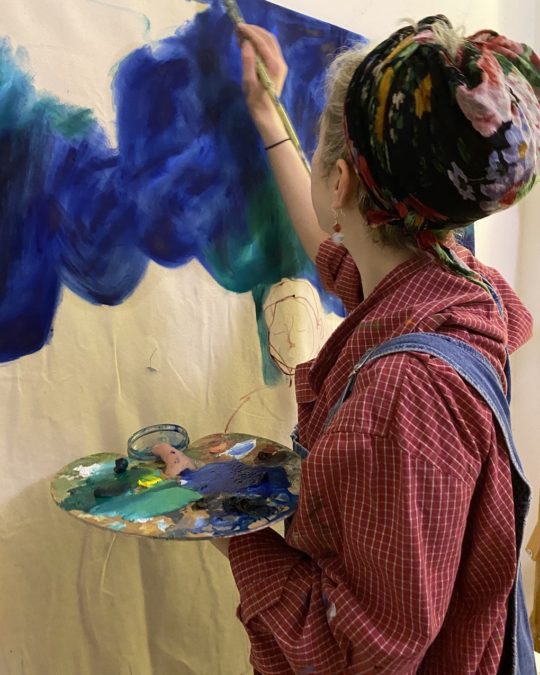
(441,141)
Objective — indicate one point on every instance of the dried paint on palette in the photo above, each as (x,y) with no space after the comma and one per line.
(244,483)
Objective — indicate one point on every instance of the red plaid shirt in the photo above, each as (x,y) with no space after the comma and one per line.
(401,555)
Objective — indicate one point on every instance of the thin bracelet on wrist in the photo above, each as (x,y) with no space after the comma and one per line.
(274,145)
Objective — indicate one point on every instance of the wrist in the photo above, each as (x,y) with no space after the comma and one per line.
(271,128)
(278,143)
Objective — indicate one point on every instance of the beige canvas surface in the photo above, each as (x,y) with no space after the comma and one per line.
(79,600)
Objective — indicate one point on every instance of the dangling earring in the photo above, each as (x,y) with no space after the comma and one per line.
(338,236)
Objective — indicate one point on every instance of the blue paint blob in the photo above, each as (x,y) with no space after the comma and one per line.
(236,514)
(234,477)
(241,449)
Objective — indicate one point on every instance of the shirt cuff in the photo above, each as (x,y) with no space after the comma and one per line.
(261,562)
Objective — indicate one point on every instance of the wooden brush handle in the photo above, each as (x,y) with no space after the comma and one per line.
(235,15)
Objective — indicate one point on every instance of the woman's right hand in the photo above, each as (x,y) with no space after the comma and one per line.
(259,42)
(288,168)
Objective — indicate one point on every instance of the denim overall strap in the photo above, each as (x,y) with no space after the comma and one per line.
(474,368)
(500,309)
(300,450)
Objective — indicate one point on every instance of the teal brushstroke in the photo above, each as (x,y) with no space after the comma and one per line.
(140,15)
(81,496)
(156,501)
(271,373)
(21,108)
(265,251)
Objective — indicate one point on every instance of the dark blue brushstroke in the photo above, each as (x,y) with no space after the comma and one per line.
(189,178)
(235,477)
(236,495)
(65,215)
(194,157)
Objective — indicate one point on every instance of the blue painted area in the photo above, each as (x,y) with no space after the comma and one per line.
(65,216)
(238,495)
(241,449)
(189,178)
(194,158)
(234,477)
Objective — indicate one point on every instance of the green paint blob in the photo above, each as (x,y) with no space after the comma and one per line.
(80,493)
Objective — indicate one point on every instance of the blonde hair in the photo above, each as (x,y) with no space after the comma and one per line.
(334,145)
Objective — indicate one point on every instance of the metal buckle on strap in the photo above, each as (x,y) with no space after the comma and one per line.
(360,363)
(355,370)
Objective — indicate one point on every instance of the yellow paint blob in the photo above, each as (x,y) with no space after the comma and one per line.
(149,481)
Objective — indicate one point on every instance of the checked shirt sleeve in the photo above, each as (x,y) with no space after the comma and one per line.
(363,581)
(339,274)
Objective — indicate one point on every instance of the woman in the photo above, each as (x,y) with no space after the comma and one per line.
(402,555)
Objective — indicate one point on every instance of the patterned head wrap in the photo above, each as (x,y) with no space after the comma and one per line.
(441,141)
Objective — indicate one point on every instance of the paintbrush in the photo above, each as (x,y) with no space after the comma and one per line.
(235,15)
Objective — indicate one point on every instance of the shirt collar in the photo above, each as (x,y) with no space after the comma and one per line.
(312,377)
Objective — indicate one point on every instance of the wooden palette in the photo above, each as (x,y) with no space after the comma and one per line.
(243,483)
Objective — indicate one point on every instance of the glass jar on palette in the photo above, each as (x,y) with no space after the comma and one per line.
(140,444)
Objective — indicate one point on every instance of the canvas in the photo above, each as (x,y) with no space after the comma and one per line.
(189,178)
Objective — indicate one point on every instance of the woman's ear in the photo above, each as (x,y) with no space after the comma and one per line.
(344,185)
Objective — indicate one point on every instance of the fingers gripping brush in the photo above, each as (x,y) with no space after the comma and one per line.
(235,15)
